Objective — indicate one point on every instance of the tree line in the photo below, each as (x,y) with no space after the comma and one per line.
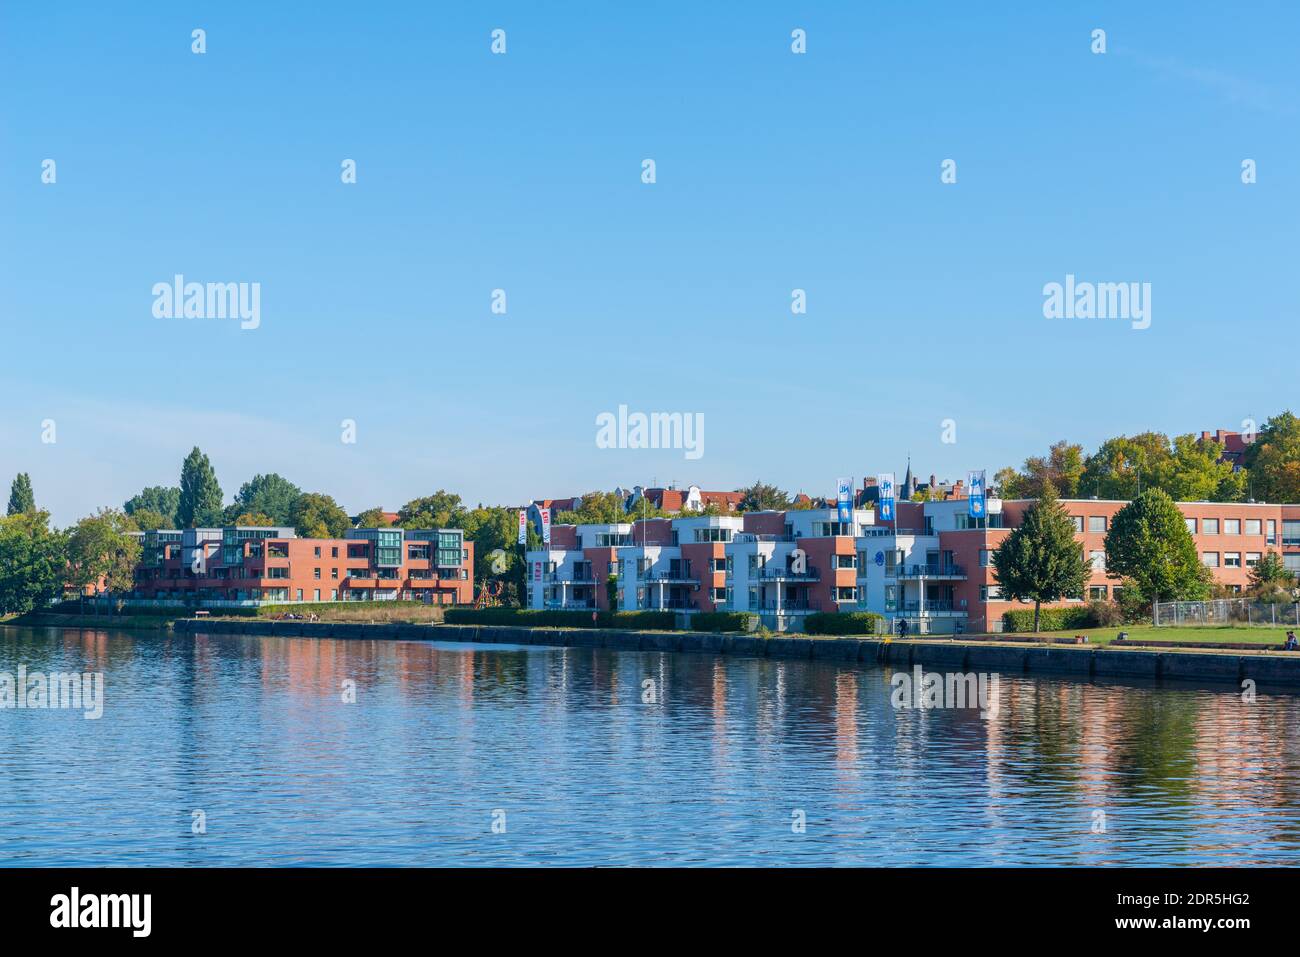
(1186,467)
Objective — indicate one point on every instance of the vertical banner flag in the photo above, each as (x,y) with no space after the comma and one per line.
(885,485)
(546,526)
(975,493)
(844,500)
(523,527)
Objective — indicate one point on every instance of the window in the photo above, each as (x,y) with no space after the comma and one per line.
(1078,523)
(1252,526)
(844,593)
(1210,559)
(334,552)
(990,592)
(277,573)
(986,557)
(1291,562)
(1096,523)
(1272,532)
(1232,559)
(1191,525)
(1232,526)
(315,595)
(298,592)
(830,529)
(316,552)
(1290,532)
(1252,559)
(334,573)
(358,573)
(844,561)
(1098,559)
(1097,592)
(334,593)
(719,564)
(417,552)
(1210,526)
(719,595)
(713,534)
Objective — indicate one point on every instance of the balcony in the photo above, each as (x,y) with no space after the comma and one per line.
(798,607)
(932,607)
(671,604)
(677,577)
(930,571)
(573,604)
(785,575)
(570,578)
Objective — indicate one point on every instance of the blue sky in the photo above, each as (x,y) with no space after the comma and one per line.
(775,171)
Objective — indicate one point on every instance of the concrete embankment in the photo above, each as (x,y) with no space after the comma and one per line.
(1079,661)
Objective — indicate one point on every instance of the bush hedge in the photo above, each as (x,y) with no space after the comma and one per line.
(557,618)
(723,621)
(1050,619)
(842,623)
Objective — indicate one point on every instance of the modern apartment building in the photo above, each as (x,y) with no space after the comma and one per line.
(272,564)
(931,566)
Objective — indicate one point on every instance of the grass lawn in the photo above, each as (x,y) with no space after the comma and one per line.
(1208,633)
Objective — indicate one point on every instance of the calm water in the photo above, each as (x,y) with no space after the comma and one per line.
(254,732)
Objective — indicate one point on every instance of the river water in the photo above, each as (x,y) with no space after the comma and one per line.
(234,750)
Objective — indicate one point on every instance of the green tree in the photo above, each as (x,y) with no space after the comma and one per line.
(318,516)
(374,518)
(496,530)
(1194,473)
(200,498)
(33,562)
(271,495)
(1040,560)
(102,554)
(603,508)
(761,496)
(21,498)
(1273,460)
(442,509)
(1062,467)
(1148,545)
(256,520)
(1270,579)
(165,500)
(147,520)
(1121,467)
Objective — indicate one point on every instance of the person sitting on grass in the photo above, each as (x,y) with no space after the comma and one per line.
(1291,642)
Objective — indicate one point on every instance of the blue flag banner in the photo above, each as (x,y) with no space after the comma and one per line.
(975,494)
(885,490)
(844,500)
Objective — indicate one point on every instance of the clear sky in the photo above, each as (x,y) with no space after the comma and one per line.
(522,172)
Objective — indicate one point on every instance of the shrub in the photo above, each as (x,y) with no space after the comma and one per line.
(723,621)
(1105,614)
(560,618)
(842,623)
(1051,619)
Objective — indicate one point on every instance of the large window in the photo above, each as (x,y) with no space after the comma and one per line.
(1290,532)
(1232,559)
(1191,525)
(713,534)
(1210,526)
(1210,559)
(1096,523)
(1252,526)
(1232,526)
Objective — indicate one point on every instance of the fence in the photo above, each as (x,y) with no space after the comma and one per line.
(1225,611)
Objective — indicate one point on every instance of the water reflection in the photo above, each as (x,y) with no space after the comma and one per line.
(589,769)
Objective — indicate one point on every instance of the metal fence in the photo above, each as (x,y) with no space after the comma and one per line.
(1225,611)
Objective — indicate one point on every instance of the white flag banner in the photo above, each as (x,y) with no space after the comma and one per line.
(523,526)
(546,526)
